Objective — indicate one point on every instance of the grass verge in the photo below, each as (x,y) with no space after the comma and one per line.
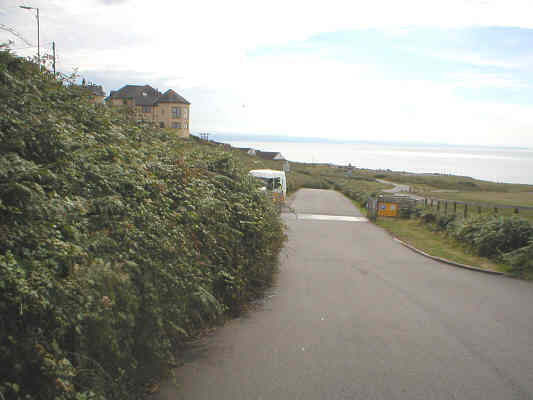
(435,243)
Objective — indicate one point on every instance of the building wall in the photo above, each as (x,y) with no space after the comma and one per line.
(120,102)
(148,115)
(161,113)
(96,99)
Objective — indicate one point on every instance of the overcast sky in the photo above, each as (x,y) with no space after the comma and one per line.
(449,71)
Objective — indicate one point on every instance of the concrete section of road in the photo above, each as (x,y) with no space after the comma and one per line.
(328,202)
(355,315)
(321,217)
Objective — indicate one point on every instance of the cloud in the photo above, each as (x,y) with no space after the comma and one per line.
(203,49)
(475,80)
(112,2)
(475,60)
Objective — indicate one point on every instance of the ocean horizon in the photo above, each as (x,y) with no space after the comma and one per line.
(495,164)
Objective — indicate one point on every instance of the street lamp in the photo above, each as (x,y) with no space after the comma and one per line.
(38,33)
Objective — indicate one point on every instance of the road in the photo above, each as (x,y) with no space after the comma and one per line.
(355,315)
(400,189)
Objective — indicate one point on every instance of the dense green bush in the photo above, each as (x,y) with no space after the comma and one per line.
(115,245)
(408,212)
(520,261)
(492,236)
(498,238)
(428,217)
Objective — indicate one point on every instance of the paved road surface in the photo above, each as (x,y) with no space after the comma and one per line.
(400,189)
(354,315)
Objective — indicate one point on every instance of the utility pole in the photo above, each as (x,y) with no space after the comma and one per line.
(54,55)
(38,39)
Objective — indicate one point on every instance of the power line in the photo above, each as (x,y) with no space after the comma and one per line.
(15,33)
(24,48)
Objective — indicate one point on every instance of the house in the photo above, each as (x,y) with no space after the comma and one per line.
(270,155)
(166,110)
(95,93)
(247,150)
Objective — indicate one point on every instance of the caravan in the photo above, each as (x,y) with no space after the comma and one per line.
(274,181)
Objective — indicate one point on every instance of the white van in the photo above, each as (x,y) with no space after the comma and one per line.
(274,181)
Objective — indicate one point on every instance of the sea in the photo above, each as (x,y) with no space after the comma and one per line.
(507,165)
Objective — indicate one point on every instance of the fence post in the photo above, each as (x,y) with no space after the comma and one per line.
(479,209)
(495,210)
(516,210)
(466,211)
(454,207)
(446,208)
(438,205)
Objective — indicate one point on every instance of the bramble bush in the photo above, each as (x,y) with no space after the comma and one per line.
(493,236)
(520,261)
(115,243)
(504,239)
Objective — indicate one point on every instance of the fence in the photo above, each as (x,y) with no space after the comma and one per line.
(372,207)
(456,207)
(465,207)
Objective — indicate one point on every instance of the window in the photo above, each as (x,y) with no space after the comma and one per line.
(175,112)
(146,109)
(176,125)
(161,124)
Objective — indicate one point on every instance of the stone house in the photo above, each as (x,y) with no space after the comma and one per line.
(166,110)
(96,93)
(270,155)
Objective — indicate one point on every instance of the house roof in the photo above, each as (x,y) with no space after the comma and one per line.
(268,155)
(96,90)
(92,89)
(171,96)
(146,95)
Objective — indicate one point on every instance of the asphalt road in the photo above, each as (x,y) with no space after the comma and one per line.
(355,315)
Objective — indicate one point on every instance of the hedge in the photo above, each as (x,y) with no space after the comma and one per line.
(116,243)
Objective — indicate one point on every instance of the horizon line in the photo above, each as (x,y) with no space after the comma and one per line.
(310,139)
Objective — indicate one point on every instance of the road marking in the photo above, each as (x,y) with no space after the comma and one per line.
(330,217)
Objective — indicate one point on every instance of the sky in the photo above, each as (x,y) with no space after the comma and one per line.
(454,71)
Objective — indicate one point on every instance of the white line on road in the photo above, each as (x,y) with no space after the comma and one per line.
(329,217)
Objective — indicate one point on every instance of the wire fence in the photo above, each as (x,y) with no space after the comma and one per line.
(468,208)
(458,208)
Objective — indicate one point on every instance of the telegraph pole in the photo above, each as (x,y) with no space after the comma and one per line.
(54,55)
(38,39)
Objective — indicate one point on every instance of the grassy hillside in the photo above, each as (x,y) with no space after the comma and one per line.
(117,242)
(461,188)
